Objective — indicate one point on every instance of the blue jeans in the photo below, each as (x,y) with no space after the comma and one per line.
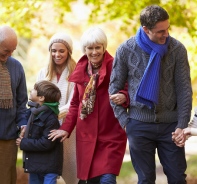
(49,178)
(103,179)
(144,138)
(108,179)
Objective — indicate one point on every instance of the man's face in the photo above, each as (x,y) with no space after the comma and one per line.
(6,49)
(159,33)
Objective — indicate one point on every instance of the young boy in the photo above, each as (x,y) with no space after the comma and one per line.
(42,157)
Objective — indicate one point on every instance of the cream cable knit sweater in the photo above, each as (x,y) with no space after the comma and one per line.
(193,123)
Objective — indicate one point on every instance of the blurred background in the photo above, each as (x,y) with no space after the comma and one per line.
(35,21)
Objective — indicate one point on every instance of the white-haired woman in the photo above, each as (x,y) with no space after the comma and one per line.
(100,139)
(61,65)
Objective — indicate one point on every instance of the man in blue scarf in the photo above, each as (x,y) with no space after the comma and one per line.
(155,66)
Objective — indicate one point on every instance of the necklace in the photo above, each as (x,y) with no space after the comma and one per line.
(95,65)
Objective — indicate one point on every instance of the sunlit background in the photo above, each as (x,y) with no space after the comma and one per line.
(37,20)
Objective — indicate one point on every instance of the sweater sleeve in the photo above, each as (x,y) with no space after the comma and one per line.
(21,99)
(70,92)
(194,131)
(117,83)
(41,74)
(183,87)
(125,92)
(193,122)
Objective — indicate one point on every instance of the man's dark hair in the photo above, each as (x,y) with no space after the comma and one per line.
(151,15)
(49,90)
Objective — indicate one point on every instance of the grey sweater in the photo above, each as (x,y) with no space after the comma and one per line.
(175,95)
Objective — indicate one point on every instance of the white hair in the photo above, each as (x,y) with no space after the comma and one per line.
(93,35)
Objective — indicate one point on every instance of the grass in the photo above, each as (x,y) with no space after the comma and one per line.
(19,162)
(127,174)
(126,170)
(191,166)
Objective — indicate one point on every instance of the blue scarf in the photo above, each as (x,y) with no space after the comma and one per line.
(148,91)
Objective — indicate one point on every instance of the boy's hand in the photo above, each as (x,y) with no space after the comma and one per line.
(18,141)
(22,132)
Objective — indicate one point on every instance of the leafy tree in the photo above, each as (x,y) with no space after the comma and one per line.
(182,12)
(21,14)
(26,16)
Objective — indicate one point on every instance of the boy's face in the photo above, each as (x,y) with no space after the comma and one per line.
(33,96)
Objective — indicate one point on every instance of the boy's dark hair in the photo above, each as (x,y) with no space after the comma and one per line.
(49,90)
(151,15)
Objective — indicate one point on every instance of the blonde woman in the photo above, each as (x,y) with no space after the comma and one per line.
(61,65)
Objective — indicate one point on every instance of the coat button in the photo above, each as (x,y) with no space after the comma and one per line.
(26,158)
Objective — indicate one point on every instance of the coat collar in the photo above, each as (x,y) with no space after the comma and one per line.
(80,75)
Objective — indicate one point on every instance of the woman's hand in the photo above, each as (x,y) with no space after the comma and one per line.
(187,131)
(118,98)
(57,134)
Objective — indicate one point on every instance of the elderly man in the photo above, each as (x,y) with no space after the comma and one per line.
(13,99)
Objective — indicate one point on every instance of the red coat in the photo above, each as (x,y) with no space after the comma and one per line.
(101,141)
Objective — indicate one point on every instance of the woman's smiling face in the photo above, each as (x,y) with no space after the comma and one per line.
(59,53)
(95,53)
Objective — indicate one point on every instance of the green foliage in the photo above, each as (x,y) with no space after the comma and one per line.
(191,166)
(182,12)
(26,15)
(62,6)
(19,162)
(35,18)
(19,14)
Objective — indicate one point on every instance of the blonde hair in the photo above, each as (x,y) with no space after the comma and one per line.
(70,62)
(51,69)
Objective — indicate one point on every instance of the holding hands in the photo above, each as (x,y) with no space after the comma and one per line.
(179,137)
(21,135)
(187,131)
